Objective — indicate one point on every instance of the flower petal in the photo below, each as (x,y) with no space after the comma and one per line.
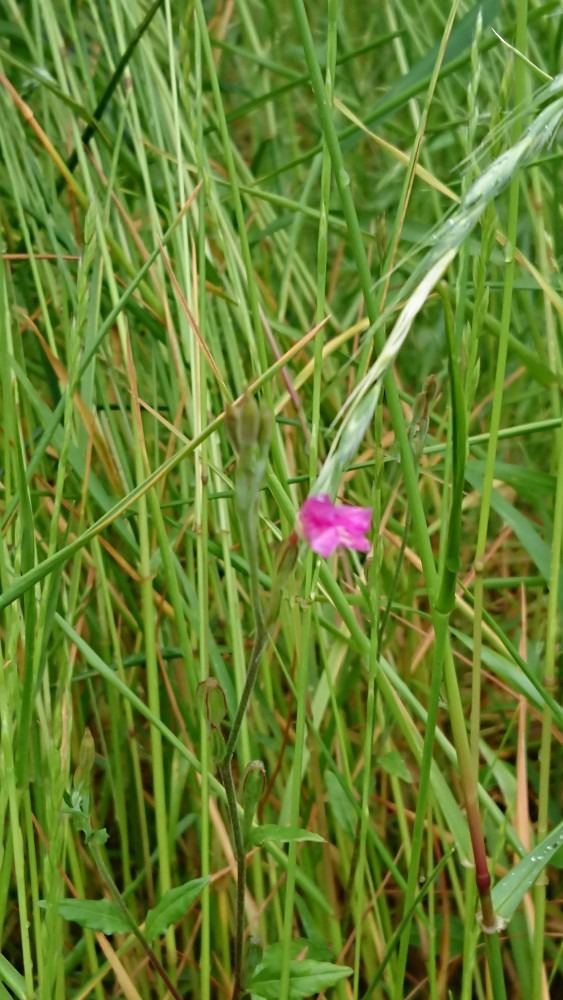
(327,525)
(354,541)
(354,519)
(325,541)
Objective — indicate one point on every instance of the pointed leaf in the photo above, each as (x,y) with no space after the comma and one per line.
(13,979)
(172,907)
(281,834)
(306,979)
(340,804)
(394,764)
(95,914)
(509,892)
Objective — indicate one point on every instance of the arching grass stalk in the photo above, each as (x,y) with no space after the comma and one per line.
(358,411)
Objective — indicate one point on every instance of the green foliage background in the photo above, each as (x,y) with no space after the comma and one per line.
(172,226)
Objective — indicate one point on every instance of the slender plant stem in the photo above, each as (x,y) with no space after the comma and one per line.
(152,669)
(250,434)
(154,960)
(260,642)
(226,775)
(440,647)
(357,869)
(302,687)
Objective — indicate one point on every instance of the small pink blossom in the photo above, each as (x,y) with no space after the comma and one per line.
(326,525)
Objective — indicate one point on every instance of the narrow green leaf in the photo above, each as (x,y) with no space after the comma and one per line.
(532,485)
(172,907)
(12,978)
(306,979)
(530,539)
(509,892)
(300,948)
(43,77)
(340,805)
(95,914)
(517,676)
(281,834)
(394,764)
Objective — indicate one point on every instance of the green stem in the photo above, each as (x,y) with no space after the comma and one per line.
(469,949)
(226,775)
(302,692)
(495,967)
(440,645)
(358,863)
(251,470)
(247,524)
(107,877)
(469,786)
(260,641)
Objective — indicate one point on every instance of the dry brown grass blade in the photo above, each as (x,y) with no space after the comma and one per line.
(31,120)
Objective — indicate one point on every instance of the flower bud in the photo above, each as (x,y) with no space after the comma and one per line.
(218,745)
(250,429)
(265,430)
(244,424)
(212,702)
(86,758)
(381,240)
(284,564)
(248,423)
(253,785)
(254,953)
(231,426)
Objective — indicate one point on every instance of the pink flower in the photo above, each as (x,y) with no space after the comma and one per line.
(327,525)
